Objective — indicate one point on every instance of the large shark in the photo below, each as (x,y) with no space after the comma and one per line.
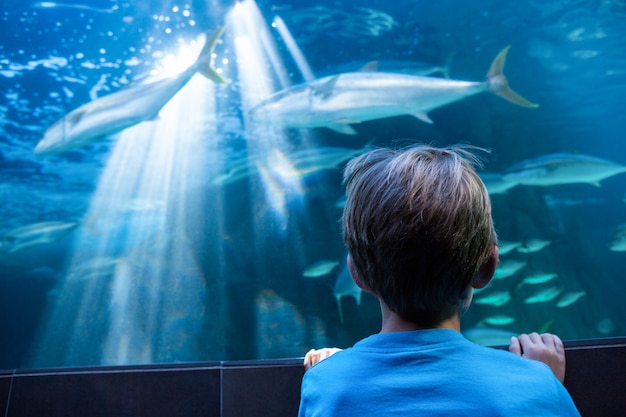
(562,168)
(115,112)
(339,100)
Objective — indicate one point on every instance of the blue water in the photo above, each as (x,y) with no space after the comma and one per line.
(191,233)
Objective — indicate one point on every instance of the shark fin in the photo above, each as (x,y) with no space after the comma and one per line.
(76,117)
(499,85)
(342,128)
(203,64)
(340,309)
(326,89)
(422,116)
(371,66)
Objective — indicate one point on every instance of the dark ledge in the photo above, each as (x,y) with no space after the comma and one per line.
(595,377)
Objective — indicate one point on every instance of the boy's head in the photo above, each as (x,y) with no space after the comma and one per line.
(418,226)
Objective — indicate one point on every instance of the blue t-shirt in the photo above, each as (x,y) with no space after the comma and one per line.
(435,372)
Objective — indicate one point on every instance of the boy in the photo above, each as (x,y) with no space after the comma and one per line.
(420,236)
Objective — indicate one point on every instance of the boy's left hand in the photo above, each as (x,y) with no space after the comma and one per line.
(547,348)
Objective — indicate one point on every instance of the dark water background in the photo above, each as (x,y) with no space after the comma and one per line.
(568,56)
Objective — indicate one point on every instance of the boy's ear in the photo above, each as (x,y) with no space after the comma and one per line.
(355,275)
(486,271)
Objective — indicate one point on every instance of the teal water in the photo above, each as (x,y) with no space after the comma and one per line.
(207,234)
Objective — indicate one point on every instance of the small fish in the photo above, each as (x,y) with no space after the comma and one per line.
(311,160)
(533,245)
(115,112)
(507,268)
(543,296)
(341,202)
(570,298)
(563,168)
(505,247)
(497,298)
(320,268)
(337,101)
(345,286)
(488,336)
(605,326)
(36,234)
(539,278)
(287,164)
(618,245)
(499,320)
(95,268)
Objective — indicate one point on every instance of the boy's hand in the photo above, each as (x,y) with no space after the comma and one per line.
(547,348)
(314,356)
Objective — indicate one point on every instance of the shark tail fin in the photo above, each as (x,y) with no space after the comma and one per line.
(499,85)
(203,64)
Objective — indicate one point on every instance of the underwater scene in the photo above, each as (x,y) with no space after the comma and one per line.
(171,171)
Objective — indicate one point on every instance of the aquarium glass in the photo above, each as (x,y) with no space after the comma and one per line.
(171,171)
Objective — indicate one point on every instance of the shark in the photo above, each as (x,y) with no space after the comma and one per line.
(345,287)
(338,101)
(563,168)
(115,112)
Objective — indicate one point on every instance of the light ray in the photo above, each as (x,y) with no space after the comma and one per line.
(294,49)
(134,290)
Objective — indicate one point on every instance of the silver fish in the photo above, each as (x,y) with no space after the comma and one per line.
(115,112)
(339,100)
(36,234)
(533,245)
(505,247)
(488,336)
(497,298)
(539,278)
(311,160)
(562,168)
(570,298)
(300,163)
(320,268)
(507,268)
(618,245)
(499,320)
(548,294)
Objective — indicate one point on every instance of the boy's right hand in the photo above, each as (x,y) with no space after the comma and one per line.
(547,348)
(314,356)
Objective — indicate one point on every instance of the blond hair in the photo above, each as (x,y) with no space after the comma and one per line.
(418,225)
